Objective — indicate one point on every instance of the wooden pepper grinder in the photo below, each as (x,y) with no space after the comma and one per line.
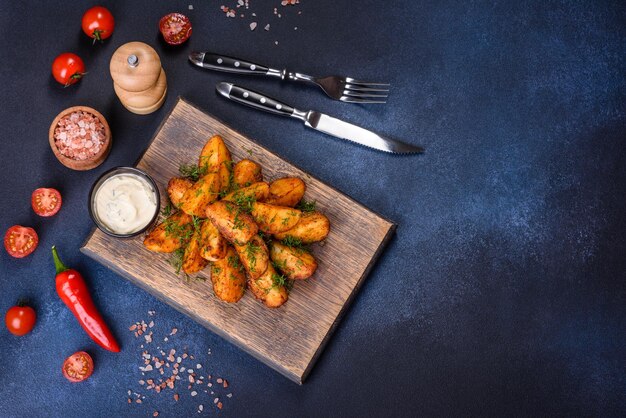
(138,78)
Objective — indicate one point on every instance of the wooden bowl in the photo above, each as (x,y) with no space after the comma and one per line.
(91,162)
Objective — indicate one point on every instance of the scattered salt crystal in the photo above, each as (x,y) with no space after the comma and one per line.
(166,339)
(191,7)
(253,26)
(151,324)
(267,27)
(230,395)
(198,366)
(200,408)
(194,393)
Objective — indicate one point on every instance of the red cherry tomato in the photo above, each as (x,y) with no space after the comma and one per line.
(20,241)
(98,23)
(68,68)
(20,320)
(46,202)
(78,367)
(175,28)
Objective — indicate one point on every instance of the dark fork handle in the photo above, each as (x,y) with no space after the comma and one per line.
(228,64)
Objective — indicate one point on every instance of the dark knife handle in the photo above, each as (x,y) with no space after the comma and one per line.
(228,64)
(255,99)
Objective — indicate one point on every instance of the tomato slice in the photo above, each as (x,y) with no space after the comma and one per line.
(175,28)
(78,367)
(46,201)
(20,241)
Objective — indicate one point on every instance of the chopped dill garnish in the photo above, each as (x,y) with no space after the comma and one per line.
(295,243)
(234,262)
(176,259)
(290,241)
(280,265)
(251,250)
(265,237)
(192,171)
(167,210)
(244,201)
(306,207)
(280,280)
(197,222)
(174,229)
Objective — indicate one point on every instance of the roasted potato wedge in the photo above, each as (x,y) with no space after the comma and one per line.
(313,227)
(234,224)
(193,261)
(246,172)
(269,288)
(254,256)
(255,192)
(228,277)
(287,191)
(215,158)
(295,263)
(274,219)
(212,243)
(176,189)
(171,234)
(204,192)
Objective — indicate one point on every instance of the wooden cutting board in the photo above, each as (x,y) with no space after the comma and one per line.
(290,338)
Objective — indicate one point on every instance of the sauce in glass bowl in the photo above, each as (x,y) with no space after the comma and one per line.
(124,202)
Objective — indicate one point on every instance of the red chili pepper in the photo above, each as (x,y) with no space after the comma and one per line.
(73,292)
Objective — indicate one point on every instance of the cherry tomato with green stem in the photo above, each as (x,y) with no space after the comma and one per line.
(98,23)
(68,68)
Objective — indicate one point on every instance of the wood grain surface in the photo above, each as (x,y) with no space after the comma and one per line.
(290,338)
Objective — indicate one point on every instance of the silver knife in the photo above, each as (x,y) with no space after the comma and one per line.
(316,120)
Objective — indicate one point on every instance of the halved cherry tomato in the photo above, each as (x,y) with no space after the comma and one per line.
(175,28)
(20,320)
(78,367)
(20,241)
(98,23)
(68,68)
(46,201)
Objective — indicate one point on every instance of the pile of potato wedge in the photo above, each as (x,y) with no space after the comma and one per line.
(248,231)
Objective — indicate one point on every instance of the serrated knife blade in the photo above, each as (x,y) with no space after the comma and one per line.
(316,120)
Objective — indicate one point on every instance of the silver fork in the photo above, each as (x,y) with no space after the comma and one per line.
(345,89)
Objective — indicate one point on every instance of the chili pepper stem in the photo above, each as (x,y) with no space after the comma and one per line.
(58,264)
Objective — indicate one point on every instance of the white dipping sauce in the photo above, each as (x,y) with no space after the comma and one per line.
(125,203)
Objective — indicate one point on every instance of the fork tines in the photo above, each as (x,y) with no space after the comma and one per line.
(356,91)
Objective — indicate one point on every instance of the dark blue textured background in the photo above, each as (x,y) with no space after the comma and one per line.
(504,290)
